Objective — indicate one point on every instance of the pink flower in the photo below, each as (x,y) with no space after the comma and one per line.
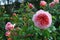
(43,3)
(9,39)
(42,19)
(56,1)
(30,5)
(7,33)
(52,4)
(9,26)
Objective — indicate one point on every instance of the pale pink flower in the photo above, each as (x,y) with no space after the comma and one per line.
(42,19)
(52,4)
(7,33)
(9,26)
(56,1)
(31,5)
(43,3)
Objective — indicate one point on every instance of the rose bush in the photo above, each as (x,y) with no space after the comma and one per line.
(30,20)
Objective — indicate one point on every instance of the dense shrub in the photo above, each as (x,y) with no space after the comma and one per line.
(16,21)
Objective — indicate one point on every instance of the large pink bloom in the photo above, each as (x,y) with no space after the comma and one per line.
(56,1)
(42,19)
(9,26)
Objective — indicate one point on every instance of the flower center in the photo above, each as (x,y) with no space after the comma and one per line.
(43,19)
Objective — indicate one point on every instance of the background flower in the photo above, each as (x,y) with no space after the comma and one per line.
(7,33)
(9,26)
(43,3)
(30,5)
(52,4)
(56,1)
